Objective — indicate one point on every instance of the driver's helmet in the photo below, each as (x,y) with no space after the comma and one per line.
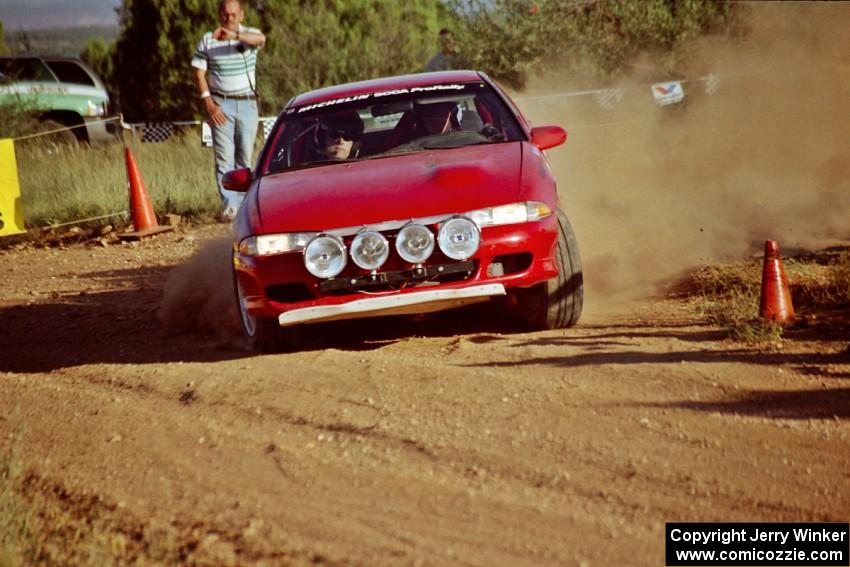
(439,117)
(346,124)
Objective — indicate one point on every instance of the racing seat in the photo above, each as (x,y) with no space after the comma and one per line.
(471,122)
(419,121)
(405,130)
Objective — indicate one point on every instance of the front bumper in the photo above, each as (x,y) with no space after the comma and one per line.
(259,278)
(393,304)
(99,131)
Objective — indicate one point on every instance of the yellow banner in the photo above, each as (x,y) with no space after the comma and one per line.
(11,211)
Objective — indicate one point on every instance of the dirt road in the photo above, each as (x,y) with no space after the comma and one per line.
(448,440)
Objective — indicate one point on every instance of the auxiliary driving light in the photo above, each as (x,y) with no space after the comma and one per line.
(370,250)
(459,238)
(324,256)
(414,243)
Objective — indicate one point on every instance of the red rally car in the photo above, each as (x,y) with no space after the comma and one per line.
(401,195)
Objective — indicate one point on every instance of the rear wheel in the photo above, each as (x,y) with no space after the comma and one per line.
(59,141)
(264,334)
(557,303)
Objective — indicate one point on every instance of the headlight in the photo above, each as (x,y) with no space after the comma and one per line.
(510,214)
(324,256)
(370,250)
(414,243)
(459,238)
(268,244)
(95,109)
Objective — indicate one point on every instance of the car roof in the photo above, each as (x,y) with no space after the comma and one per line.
(47,58)
(384,84)
(39,56)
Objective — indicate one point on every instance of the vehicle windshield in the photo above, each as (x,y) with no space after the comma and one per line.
(382,124)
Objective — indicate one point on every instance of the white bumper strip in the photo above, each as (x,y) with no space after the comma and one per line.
(396,304)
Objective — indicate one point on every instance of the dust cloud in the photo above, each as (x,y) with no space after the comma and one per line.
(199,295)
(652,191)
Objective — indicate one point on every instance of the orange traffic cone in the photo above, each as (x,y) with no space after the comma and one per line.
(144,219)
(775,295)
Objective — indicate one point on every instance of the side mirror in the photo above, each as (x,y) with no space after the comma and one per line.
(237,180)
(545,137)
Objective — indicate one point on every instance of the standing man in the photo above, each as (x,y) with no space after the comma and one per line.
(225,63)
(444,60)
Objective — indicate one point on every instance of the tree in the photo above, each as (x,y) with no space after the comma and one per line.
(317,43)
(151,71)
(99,56)
(310,44)
(3,49)
(511,39)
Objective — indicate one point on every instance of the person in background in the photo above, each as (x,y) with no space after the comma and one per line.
(225,63)
(444,60)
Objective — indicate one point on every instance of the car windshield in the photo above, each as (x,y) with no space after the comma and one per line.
(382,124)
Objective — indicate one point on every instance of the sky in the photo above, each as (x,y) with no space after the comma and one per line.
(45,14)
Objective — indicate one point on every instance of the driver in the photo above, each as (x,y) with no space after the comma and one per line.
(340,135)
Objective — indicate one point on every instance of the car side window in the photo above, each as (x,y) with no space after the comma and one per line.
(70,72)
(27,69)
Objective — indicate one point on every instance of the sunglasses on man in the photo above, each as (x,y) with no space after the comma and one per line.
(337,133)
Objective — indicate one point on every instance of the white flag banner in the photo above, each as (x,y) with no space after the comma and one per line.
(206,134)
(712,83)
(608,98)
(668,93)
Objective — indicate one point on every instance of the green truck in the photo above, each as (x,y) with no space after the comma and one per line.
(64,91)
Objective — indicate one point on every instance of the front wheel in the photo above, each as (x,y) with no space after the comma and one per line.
(557,303)
(264,334)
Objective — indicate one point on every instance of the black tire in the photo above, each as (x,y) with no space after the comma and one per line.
(66,137)
(557,303)
(264,334)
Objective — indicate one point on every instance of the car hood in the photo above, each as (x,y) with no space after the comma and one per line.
(392,188)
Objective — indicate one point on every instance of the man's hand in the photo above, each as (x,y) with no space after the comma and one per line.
(222,34)
(252,39)
(214,110)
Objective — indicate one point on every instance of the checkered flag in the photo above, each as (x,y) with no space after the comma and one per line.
(157,131)
(712,83)
(268,123)
(608,98)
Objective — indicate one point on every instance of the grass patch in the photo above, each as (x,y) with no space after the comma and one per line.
(67,182)
(43,524)
(735,313)
(728,295)
(34,530)
(17,117)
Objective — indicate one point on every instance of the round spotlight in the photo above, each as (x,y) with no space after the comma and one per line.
(370,250)
(324,256)
(414,243)
(459,238)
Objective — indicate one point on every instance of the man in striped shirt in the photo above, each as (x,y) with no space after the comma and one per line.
(225,63)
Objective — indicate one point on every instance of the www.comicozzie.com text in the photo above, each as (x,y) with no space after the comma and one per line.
(726,536)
